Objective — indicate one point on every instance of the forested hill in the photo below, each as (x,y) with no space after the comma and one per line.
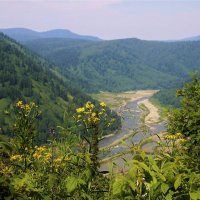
(27,77)
(121,64)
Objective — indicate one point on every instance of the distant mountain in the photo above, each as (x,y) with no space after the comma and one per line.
(28,77)
(23,34)
(121,64)
(195,38)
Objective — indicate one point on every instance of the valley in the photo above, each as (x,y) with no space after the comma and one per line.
(137,124)
(77,139)
(99,100)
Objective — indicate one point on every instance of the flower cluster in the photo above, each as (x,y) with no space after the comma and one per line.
(175,137)
(5,169)
(89,114)
(25,108)
(80,110)
(42,153)
(16,157)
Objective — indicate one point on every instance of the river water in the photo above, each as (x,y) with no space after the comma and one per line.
(131,114)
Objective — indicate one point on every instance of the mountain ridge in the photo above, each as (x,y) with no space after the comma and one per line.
(193,38)
(125,64)
(24,34)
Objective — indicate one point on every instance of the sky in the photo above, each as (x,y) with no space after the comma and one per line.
(107,19)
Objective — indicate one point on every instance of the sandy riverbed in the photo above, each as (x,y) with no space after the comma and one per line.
(131,96)
(120,99)
(153,116)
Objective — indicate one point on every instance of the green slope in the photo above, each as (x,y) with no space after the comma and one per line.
(27,77)
(121,64)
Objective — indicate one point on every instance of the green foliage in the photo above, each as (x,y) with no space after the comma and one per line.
(25,76)
(64,168)
(186,119)
(59,170)
(167,97)
(161,176)
(120,64)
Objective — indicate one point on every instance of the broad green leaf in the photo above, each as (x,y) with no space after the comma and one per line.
(168,197)
(87,174)
(81,182)
(195,195)
(177,182)
(141,164)
(164,188)
(132,184)
(118,185)
(143,155)
(71,183)
(86,196)
(132,172)
(161,176)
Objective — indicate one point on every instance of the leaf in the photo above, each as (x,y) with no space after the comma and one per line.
(168,197)
(143,155)
(195,195)
(118,185)
(132,184)
(177,182)
(164,188)
(141,164)
(87,174)
(161,176)
(153,164)
(132,172)
(86,196)
(81,182)
(71,184)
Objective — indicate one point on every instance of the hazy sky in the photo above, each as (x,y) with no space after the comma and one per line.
(107,19)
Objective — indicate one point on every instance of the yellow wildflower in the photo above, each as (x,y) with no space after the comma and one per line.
(93,114)
(48,156)
(183,140)
(6,170)
(19,103)
(103,104)
(171,137)
(58,160)
(80,110)
(179,134)
(89,105)
(27,108)
(16,157)
(41,148)
(37,156)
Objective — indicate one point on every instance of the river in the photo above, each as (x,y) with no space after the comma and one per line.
(131,120)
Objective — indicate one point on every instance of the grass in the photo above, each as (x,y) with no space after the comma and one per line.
(112,99)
